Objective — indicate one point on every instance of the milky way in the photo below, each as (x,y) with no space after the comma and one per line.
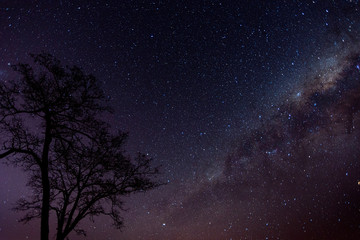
(252,110)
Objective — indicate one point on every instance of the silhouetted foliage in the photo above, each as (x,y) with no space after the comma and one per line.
(51,126)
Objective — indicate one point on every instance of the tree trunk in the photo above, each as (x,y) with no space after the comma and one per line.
(45,208)
(59,236)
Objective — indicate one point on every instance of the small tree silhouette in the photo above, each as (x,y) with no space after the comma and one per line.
(51,126)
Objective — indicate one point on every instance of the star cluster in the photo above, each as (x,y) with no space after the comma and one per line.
(251,108)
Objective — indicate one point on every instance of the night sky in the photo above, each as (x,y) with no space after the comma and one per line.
(252,108)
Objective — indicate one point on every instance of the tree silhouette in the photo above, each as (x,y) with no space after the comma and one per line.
(51,126)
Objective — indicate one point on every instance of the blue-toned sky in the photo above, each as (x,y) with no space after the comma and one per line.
(251,107)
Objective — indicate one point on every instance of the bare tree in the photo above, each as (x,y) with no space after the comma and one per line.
(51,126)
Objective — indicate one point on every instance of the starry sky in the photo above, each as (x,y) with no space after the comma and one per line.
(252,108)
